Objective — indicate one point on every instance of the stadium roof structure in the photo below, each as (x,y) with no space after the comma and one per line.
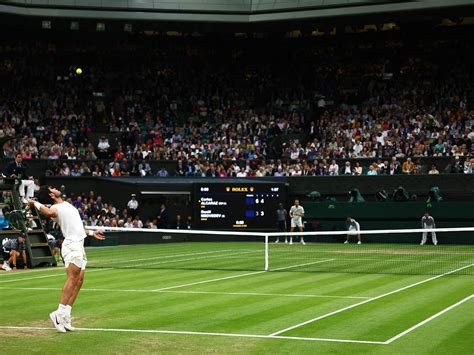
(219,11)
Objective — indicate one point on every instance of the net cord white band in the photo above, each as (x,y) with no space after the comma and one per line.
(279,234)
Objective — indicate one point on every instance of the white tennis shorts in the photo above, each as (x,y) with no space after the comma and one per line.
(74,253)
(296,222)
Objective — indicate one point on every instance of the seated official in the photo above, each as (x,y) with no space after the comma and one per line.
(55,244)
(13,249)
(17,169)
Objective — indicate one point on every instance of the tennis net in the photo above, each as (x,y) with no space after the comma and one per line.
(380,251)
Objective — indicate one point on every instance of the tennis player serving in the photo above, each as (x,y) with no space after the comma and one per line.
(73,254)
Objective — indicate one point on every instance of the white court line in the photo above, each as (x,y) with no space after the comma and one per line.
(409,330)
(63,274)
(367,301)
(30,271)
(236,276)
(236,335)
(187,292)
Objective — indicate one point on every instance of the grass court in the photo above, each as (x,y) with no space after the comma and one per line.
(217,298)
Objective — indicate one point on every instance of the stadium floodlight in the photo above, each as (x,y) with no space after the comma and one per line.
(100,26)
(46,25)
(74,25)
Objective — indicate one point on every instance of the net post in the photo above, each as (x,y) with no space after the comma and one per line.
(266,253)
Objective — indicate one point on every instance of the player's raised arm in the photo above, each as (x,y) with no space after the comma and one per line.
(46,211)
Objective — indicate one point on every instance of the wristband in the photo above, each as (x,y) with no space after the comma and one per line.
(90,233)
(38,205)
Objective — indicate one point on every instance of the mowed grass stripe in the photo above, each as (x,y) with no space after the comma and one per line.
(145,258)
(450,333)
(216,313)
(153,279)
(397,312)
(341,284)
(164,249)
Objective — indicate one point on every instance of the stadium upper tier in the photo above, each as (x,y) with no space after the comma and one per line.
(374,96)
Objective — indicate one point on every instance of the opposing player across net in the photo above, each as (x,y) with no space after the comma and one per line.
(383,251)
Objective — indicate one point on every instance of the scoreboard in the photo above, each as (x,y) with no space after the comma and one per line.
(228,206)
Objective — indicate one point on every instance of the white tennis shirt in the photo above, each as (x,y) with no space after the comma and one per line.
(296,213)
(69,221)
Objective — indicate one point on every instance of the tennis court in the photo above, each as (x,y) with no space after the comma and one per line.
(182,297)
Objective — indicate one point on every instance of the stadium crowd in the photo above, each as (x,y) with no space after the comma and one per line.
(286,108)
(94,211)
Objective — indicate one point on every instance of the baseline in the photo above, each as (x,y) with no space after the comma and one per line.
(236,335)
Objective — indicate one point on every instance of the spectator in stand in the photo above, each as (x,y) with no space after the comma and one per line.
(408,167)
(137,223)
(189,223)
(98,203)
(457,166)
(418,167)
(357,169)
(115,171)
(384,168)
(103,146)
(279,172)
(163,217)
(78,202)
(179,223)
(333,169)
(234,120)
(372,170)
(162,172)
(347,169)
(144,168)
(125,168)
(129,223)
(434,170)
(395,168)
(469,166)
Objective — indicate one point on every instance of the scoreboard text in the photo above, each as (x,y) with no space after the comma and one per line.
(243,206)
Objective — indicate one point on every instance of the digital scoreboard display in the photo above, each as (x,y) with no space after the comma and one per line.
(238,206)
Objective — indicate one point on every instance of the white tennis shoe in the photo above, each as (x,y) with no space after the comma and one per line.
(359,242)
(58,321)
(67,323)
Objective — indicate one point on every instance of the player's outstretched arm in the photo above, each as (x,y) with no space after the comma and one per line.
(46,211)
(99,235)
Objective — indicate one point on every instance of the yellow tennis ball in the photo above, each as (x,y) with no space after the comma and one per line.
(78,71)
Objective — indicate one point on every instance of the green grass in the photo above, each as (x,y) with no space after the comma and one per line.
(221,288)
